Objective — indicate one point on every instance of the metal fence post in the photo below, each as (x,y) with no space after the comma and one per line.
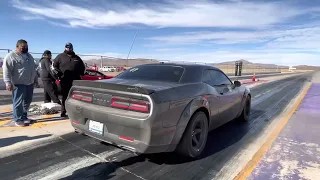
(101,63)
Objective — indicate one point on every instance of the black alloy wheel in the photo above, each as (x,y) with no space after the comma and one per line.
(246,110)
(195,136)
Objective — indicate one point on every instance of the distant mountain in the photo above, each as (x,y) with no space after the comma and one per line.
(250,64)
(120,62)
(305,67)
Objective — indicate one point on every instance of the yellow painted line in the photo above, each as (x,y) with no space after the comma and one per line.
(42,121)
(38,125)
(42,124)
(4,122)
(252,164)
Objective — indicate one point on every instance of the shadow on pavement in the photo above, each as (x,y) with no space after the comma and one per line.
(51,119)
(218,140)
(8,116)
(5,114)
(12,140)
(35,121)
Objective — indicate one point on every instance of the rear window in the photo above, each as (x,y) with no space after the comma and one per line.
(154,73)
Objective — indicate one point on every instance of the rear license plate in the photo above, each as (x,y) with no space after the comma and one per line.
(96,127)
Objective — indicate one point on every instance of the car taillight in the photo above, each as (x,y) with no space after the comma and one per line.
(82,96)
(130,104)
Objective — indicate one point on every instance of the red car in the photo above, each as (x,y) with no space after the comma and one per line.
(91,74)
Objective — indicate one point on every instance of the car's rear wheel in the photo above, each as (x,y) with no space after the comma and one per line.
(246,110)
(195,136)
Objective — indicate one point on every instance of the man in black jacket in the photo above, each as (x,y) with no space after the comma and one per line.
(48,78)
(72,68)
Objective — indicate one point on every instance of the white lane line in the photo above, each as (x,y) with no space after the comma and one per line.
(26,146)
(102,159)
(65,169)
(75,165)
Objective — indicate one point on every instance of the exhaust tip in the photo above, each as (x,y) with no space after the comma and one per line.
(79,132)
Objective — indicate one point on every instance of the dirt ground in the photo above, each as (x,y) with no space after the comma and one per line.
(111,73)
(116,73)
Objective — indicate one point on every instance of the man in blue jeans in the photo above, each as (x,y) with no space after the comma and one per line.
(19,72)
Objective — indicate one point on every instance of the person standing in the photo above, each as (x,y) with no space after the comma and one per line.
(19,72)
(48,78)
(72,68)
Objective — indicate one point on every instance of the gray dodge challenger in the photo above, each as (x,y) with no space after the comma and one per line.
(155,108)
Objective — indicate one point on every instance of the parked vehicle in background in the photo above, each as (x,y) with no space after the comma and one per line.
(108,69)
(156,108)
(121,68)
(91,75)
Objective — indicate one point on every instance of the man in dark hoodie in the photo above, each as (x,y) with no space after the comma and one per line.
(48,78)
(72,68)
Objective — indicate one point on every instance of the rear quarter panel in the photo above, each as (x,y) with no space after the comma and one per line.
(180,102)
(244,92)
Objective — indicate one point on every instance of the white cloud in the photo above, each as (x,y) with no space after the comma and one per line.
(303,39)
(169,49)
(88,56)
(170,14)
(281,41)
(27,18)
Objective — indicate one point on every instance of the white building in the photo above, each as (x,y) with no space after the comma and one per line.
(291,68)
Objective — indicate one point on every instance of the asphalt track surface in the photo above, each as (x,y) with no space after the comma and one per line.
(74,156)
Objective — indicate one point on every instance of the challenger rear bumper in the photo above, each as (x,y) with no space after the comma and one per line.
(146,135)
(135,146)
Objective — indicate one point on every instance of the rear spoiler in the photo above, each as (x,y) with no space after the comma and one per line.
(117,87)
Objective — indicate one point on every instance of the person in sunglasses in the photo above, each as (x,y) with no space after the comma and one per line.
(72,68)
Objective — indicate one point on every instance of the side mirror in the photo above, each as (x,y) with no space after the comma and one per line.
(237,83)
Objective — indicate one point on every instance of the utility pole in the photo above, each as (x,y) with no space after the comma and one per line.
(101,63)
(131,47)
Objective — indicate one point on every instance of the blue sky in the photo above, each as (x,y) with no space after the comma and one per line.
(282,32)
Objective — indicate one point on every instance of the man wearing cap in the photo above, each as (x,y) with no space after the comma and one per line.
(72,68)
(19,72)
(48,78)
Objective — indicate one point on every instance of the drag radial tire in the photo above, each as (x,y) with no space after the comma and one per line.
(244,117)
(195,136)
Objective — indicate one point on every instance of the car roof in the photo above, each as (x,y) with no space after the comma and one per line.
(193,71)
(184,65)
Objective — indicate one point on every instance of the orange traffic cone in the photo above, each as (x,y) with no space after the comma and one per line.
(254,77)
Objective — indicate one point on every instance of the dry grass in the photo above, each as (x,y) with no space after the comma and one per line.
(111,73)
